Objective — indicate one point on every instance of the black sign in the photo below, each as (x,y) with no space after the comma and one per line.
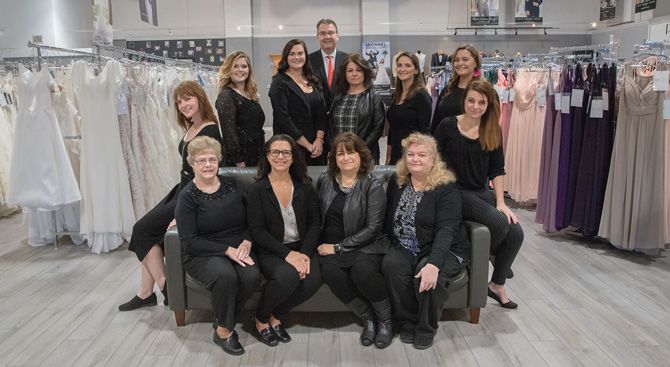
(204,51)
(528,20)
(644,5)
(607,9)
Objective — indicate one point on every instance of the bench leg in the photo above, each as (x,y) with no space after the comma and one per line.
(180,317)
(474,315)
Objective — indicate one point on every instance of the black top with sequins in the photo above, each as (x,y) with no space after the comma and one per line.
(242,115)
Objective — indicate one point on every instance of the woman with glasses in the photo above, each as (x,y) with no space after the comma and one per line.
(216,245)
(298,104)
(284,222)
(196,116)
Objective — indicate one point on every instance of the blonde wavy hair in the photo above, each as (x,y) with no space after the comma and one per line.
(439,174)
(226,70)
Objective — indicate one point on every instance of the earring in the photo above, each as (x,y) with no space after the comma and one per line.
(476,73)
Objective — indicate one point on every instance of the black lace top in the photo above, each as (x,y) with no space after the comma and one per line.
(243,116)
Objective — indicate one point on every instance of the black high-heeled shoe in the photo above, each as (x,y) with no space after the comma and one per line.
(509,304)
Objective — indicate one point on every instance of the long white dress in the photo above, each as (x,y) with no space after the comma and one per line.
(107,216)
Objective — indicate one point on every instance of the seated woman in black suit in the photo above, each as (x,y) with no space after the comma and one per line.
(353,204)
(429,241)
(216,246)
(284,222)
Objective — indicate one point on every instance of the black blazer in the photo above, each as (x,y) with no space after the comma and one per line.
(266,224)
(435,60)
(438,222)
(319,70)
(291,111)
(371,118)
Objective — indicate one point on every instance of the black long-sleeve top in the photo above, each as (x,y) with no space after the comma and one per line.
(438,222)
(447,105)
(211,131)
(242,116)
(293,111)
(411,116)
(474,166)
(266,224)
(211,223)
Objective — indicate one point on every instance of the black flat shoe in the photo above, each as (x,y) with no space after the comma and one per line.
(422,342)
(230,345)
(281,333)
(138,302)
(511,305)
(267,336)
(510,274)
(407,335)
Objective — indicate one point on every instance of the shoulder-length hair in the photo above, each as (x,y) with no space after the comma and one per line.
(226,70)
(342,85)
(490,133)
(349,142)
(190,88)
(307,72)
(439,174)
(298,169)
(417,84)
(455,78)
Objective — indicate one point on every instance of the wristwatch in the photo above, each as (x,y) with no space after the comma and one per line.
(337,247)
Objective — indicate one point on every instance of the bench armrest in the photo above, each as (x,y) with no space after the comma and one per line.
(174,270)
(480,238)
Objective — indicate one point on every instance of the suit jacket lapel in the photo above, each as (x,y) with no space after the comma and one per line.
(295,88)
(271,194)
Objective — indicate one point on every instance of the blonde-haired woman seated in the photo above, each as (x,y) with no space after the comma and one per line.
(211,217)
(429,240)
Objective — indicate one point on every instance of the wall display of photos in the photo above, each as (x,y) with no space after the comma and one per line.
(211,51)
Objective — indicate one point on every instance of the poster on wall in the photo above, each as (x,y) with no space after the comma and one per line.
(203,51)
(483,12)
(102,21)
(607,9)
(148,12)
(528,11)
(378,56)
(644,5)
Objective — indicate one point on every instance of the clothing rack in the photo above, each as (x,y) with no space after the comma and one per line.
(610,48)
(125,52)
(72,52)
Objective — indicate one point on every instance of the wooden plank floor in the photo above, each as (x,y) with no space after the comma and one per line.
(580,304)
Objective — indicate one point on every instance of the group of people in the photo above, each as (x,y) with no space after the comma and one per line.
(386,254)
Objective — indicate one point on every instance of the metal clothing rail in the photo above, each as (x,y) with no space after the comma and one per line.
(41,47)
(166,60)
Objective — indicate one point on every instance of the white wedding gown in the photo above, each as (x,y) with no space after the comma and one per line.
(107,215)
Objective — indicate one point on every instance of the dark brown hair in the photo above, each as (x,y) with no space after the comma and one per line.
(326,21)
(342,85)
(306,69)
(190,88)
(298,169)
(350,142)
(417,84)
(490,134)
(453,82)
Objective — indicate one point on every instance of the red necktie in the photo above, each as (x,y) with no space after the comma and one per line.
(330,72)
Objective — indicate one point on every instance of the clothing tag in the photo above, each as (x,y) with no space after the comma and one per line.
(121,104)
(577,98)
(541,97)
(565,105)
(596,108)
(558,102)
(505,96)
(666,109)
(550,88)
(606,99)
(3,100)
(660,80)
(512,94)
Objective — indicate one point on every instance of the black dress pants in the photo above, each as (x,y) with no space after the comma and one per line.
(412,309)
(506,238)
(284,289)
(362,278)
(230,284)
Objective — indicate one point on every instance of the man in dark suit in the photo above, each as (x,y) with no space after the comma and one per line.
(439,59)
(327,60)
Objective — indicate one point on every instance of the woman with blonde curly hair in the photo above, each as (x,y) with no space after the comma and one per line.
(239,111)
(429,241)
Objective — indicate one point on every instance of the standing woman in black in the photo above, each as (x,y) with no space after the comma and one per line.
(466,66)
(239,110)
(298,105)
(284,222)
(410,111)
(471,144)
(356,107)
(196,116)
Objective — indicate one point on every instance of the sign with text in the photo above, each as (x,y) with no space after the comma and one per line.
(378,56)
(644,5)
(484,12)
(528,11)
(607,9)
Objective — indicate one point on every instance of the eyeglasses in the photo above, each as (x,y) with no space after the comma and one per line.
(204,161)
(285,153)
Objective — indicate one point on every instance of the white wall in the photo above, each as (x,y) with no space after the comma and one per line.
(298,18)
(25,19)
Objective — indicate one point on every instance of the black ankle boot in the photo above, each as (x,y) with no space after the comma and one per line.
(362,309)
(384,323)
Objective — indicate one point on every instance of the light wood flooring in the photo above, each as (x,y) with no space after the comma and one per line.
(580,304)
